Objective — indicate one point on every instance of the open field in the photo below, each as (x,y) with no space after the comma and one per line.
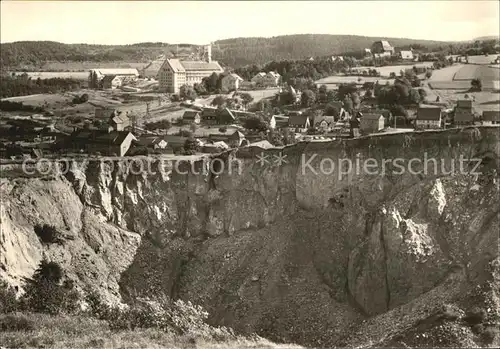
(332,81)
(445,74)
(467,72)
(261,94)
(458,77)
(387,70)
(483,60)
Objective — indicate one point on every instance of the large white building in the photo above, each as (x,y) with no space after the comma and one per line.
(174,73)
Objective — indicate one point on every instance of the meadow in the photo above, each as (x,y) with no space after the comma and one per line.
(45,331)
(396,69)
(459,76)
(341,79)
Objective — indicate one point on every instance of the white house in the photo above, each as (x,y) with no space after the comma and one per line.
(231,82)
(406,55)
(269,79)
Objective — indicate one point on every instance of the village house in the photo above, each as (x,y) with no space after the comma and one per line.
(191,117)
(324,123)
(231,82)
(278,121)
(428,118)
(215,116)
(114,143)
(299,122)
(406,55)
(119,121)
(97,76)
(382,47)
(237,139)
(463,113)
(271,79)
(371,123)
(111,82)
(175,73)
(491,117)
(354,127)
(153,142)
(209,115)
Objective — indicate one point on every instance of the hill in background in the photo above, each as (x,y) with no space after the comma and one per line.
(33,55)
(243,51)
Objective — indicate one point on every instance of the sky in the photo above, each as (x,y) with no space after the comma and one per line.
(201,22)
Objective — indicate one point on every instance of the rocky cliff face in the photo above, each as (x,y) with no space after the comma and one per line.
(298,251)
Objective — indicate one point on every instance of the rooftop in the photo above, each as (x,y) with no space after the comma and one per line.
(201,65)
(117,71)
(464,103)
(371,116)
(298,120)
(491,115)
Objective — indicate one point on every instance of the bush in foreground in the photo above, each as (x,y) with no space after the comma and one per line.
(176,317)
(8,301)
(13,322)
(46,292)
(48,234)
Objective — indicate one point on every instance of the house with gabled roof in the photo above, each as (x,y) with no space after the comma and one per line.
(278,121)
(382,46)
(111,82)
(491,117)
(119,121)
(324,122)
(428,117)
(191,117)
(299,122)
(371,123)
(114,143)
(231,82)
(267,79)
(236,139)
(97,75)
(217,116)
(463,113)
(406,55)
(152,142)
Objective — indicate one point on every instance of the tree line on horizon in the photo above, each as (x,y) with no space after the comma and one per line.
(235,52)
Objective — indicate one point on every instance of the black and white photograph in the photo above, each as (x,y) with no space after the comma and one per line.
(249,174)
